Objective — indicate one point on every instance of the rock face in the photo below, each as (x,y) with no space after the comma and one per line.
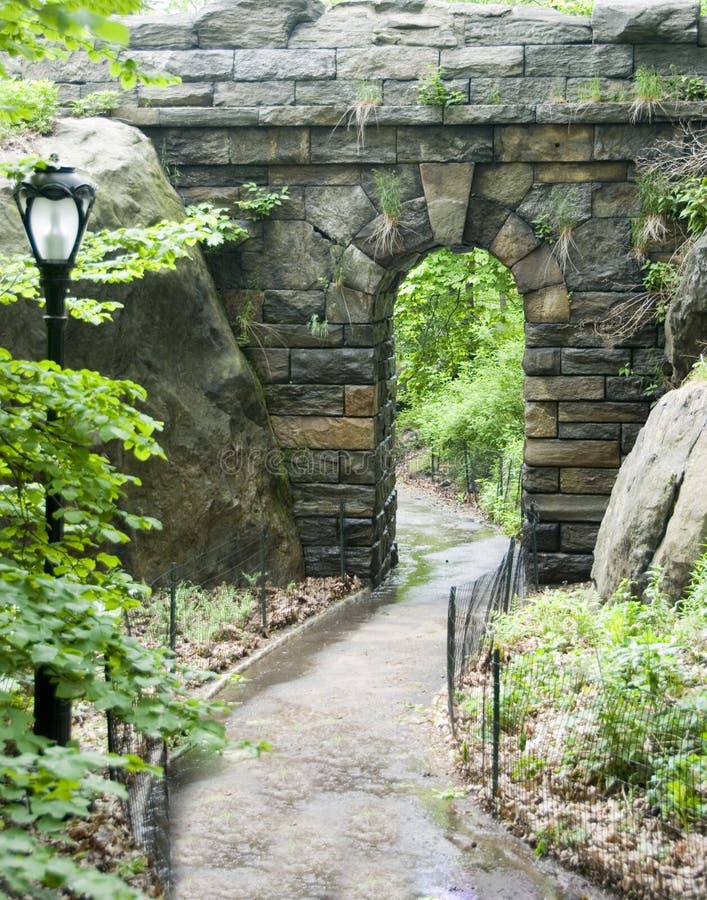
(686,324)
(657,514)
(222,482)
(645,21)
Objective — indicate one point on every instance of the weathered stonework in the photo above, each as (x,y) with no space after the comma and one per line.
(266,95)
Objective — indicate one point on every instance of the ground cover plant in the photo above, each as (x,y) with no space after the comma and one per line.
(603,722)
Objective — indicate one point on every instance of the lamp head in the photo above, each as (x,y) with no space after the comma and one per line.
(54,205)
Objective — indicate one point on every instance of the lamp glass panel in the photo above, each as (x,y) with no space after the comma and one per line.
(54,225)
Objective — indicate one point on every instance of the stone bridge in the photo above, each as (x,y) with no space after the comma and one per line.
(266,92)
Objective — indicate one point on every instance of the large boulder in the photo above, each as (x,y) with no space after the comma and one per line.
(221,486)
(657,515)
(686,322)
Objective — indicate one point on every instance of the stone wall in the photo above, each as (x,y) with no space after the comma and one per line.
(266,95)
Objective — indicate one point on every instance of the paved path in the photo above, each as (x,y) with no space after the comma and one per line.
(355,802)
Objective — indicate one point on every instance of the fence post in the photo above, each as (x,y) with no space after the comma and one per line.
(172,606)
(496,721)
(451,653)
(263,594)
(466,468)
(342,538)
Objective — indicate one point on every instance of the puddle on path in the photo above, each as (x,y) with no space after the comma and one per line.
(355,802)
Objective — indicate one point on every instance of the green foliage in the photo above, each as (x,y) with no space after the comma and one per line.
(27,106)
(37,29)
(71,623)
(259,202)
(98,103)
(432,91)
(448,308)
(619,688)
(688,204)
(661,280)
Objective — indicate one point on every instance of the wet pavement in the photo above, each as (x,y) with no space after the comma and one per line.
(357,800)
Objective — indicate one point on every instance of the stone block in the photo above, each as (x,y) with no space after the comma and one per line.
(76,68)
(483,222)
(336,366)
(592,362)
(461,143)
(602,250)
(603,412)
(358,467)
(304,399)
(647,362)
(551,304)
(303,116)
(537,270)
(399,63)
(189,93)
(645,21)
(245,23)
(323,432)
(616,200)
(293,307)
(334,92)
(495,60)
(594,59)
(571,507)
(581,454)
(561,335)
(560,387)
(541,361)
(358,335)
(200,117)
(360,272)
(207,146)
(262,93)
(587,481)
(515,240)
(426,29)
(312,466)
(220,176)
(576,173)
(617,142)
(563,568)
(341,146)
(253,146)
(447,187)
(546,537)
(570,202)
(271,366)
(325,499)
(626,387)
(544,143)
(347,306)
(484,112)
(318,530)
(404,93)
(593,306)
(541,479)
(578,538)
(160,33)
(360,400)
(588,431)
(295,336)
(541,420)
(505,183)
(524,94)
(191,65)
(520,25)
(338,212)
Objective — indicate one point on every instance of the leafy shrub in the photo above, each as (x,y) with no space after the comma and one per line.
(98,103)
(27,105)
(432,91)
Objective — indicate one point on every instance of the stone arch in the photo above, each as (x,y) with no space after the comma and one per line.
(443,216)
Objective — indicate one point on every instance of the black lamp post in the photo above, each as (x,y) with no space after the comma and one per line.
(54,205)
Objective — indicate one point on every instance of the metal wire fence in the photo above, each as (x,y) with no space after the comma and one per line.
(610,779)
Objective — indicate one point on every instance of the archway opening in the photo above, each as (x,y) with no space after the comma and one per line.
(459,341)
